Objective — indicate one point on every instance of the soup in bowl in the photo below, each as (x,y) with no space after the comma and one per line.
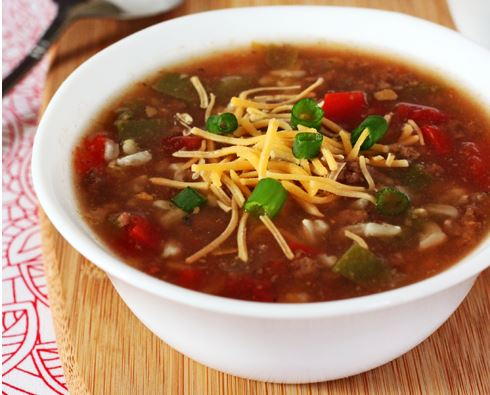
(277,168)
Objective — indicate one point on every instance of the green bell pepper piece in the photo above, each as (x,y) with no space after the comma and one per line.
(177,86)
(143,131)
(361,266)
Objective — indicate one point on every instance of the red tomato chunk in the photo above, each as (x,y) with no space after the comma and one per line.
(475,164)
(437,140)
(176,143)
(190,278)
(141,233)
(249,288)
(304,248)
(419,113)
(90,154)
(345,106)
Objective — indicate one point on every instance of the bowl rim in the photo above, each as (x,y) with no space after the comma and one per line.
(98,255)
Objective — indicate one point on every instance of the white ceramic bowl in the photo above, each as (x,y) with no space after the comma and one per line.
(272,342)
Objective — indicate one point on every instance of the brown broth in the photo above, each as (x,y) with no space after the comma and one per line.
(268,276)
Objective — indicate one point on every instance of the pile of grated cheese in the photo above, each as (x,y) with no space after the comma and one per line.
(261,147)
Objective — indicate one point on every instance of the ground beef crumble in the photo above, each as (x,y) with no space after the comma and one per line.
(405,151)
(351,174)
(304,266)
(470,223)
(434,169)
(349,217)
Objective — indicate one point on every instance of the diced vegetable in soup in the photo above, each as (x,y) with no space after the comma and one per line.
(282,173)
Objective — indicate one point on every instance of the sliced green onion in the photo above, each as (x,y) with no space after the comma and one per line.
(222,124)
(307,145)
(377,127)
(267,198)
(188,199)
(361,266)
(306,112)
(390,201)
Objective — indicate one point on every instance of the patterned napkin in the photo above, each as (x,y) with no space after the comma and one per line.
(31,362)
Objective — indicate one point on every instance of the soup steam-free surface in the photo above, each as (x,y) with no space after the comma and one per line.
(445,181)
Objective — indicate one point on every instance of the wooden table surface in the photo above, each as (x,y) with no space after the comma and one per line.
(106,350)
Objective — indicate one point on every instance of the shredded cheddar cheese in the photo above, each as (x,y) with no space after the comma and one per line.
(318,167)
(228,167)
(242,238)
(220,194)
(266,149)
(365,173)
(223,206)
(249,127)
(357,146)
(328,157)
(358,239)
(178,184)
(389,159)
(345,137)
(414,125)
(309,208)
(236,178)
(203,96)
(242,102)
(220,239)
(210,106)
(331,125)
(278,236)
(234,190)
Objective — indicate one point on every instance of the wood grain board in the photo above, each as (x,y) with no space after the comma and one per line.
(106,350)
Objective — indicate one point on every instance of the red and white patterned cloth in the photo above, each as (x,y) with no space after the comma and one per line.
(30,359)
